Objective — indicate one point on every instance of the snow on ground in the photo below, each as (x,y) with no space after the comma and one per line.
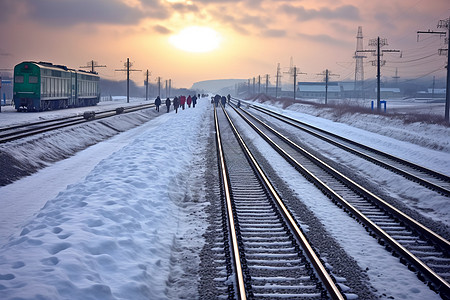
(107,235)
(107,231)
(430,203)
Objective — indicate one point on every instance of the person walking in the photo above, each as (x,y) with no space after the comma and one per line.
(217,99)
(224,101)
(168,104)
(158,103)
(194,101)
(182,101)
(189,101)
(176,104)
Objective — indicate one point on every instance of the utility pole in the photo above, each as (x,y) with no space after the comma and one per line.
(170,87)
(159,86)
(327,75)
(128,70)
(267,84)
(249,91)
(259,84)
(254,86)
(92,65)
(278,80)
(146,85)
(167,88)
(443,24)
(378,63)
(432,90)
(295,79)
(293,71)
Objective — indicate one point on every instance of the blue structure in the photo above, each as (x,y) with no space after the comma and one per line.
(383,102)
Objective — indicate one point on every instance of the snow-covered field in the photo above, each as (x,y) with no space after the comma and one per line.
(107,222)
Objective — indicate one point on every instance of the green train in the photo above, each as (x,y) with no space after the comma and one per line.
(40,86)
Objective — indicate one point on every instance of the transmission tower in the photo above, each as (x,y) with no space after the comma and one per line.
(396,77)
(291,66)
(278,80)
(359,66)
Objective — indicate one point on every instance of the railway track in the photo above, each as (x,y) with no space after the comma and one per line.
(426,177)
(271,256)
(424,251)
(16,132)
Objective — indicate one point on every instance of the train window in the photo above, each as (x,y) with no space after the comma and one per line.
(53,87)
(33,79)
(56,73)
(18,79)
(47,92)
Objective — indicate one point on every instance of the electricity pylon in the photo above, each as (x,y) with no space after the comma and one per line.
(379,43)
(359,66)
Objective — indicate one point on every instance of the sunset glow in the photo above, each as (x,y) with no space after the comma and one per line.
(221,39)
(196,39)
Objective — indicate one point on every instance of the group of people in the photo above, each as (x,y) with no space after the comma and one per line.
(180,101)
(222,99)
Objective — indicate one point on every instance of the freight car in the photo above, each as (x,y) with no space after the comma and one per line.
(42,86)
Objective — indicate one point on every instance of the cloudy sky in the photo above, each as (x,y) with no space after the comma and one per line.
(238,39)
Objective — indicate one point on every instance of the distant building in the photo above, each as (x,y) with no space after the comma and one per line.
(389,92)
(318,89)
(429,93)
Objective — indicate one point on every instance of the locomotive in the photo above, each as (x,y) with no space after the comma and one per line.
(40,86)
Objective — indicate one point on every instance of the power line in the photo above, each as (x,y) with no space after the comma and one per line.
(92,65)
(446,25)
(379,43)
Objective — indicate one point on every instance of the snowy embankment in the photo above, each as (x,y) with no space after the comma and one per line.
(26,156)
(436,137)
(111,234)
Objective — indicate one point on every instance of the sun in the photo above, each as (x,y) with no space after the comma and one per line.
(196,39)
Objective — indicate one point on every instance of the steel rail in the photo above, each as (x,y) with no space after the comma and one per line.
(37,123)
(234,241)
(65,122)
(328,282)
(437,238)
(440,283)
(423,182)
